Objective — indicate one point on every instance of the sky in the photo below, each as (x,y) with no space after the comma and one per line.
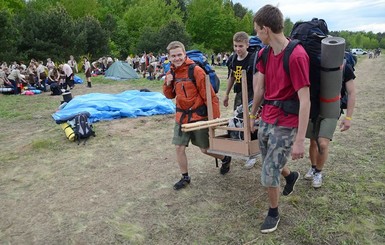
(350,15)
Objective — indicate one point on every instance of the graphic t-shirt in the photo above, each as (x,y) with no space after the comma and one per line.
(237,68)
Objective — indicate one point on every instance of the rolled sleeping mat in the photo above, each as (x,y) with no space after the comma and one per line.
(332,57)
(6,90)
(70,134)
(330,93)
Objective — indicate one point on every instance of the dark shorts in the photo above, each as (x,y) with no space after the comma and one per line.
(88,73)
(199,137)
(275,144)
(323,127)
(142,66)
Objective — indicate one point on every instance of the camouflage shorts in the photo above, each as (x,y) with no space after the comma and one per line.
(275,144)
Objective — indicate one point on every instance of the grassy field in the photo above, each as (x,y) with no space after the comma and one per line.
(117,189)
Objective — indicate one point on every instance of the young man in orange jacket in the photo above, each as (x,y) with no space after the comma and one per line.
(191,106)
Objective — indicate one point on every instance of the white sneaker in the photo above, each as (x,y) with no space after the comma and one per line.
(250,163)
(310,174)
(317,180)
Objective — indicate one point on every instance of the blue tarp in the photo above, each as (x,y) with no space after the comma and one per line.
(131,103)
(77,80)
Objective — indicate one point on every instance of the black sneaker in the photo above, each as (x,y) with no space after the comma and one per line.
(270,224)
(289,187)
(225,168)
(182,183)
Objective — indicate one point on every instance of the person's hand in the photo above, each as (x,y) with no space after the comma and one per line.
(252,126)
(298,150)
(226,101)
(345,124)
(169,79)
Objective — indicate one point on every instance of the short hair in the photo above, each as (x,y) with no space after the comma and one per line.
(241,37)
(174,45)
(271,17)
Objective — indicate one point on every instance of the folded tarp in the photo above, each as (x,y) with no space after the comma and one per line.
(131,103)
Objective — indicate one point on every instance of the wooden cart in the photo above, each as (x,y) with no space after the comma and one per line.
(220,141)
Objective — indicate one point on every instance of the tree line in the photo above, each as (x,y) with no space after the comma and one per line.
(59,28)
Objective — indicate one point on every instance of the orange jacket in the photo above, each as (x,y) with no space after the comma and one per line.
(189,96)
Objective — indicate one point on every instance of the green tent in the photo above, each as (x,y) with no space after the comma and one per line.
(120,70)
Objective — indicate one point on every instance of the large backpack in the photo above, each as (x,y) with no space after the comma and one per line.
(201,60)
(55,89)
(237,122)
(350,59)
(83,128)
(309,34)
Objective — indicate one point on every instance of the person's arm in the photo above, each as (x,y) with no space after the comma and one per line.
(351,90)
(230,83)
(168,86)
(298,149)
(259,92)
(76,66)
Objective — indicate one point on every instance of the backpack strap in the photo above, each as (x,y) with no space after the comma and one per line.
(286,56)
(191,73)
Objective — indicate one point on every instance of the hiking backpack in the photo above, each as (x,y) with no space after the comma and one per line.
(55,89)
(199,59)
(350,59)
(83,128)
(309,34)
(237,122)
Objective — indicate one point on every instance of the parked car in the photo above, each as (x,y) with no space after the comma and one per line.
(358,51)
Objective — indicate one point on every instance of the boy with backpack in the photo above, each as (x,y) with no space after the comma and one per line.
(321,133)
(240,60)
(191,106)
(280,132)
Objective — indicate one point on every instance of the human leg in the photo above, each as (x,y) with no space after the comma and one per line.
(181,142)
(275,145)
(200,138)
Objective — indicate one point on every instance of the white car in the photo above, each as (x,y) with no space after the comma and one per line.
(358,51)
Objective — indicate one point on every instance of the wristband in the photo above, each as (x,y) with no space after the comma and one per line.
(348,118)
(251,116)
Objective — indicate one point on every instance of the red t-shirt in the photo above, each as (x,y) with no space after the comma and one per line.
(278,86)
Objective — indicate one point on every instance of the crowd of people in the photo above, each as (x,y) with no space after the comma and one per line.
(150,66)
(38,75)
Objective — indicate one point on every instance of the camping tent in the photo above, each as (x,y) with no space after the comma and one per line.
(120,70)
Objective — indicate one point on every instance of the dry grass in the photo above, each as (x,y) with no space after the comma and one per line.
(117,189)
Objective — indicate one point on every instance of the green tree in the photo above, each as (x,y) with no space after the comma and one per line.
(288,26)
(8,37)
(80,8)
(170,32)
(12,5)
(141,16)
(382,43)
(212,26)
(239,10)
(246,23)
(46,34)
(91,38)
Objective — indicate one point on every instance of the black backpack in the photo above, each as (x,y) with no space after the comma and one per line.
(55,89)
(309,34)
(83,128)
